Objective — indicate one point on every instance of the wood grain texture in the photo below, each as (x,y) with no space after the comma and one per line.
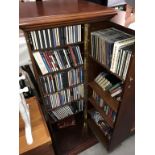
(46,149)
(100,110)
(125,120)
(98,132)
(58,13)
(126,116)
(106,68)
(32,14)
(74,139)
(114,104)
(39,129)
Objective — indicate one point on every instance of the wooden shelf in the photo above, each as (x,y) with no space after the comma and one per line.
(97,131)
(52,109)
(92,17)
(53,121)
(63,70)
(58,47)
(74,139)
(98,128)
(64,89)
(107,119)
(107,69)
(114,104)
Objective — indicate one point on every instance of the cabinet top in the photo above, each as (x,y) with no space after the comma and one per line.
(56,12)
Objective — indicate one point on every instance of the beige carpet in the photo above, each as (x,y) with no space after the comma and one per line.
(126,148)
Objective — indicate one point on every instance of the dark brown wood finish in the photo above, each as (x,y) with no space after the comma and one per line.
(98,132)
(126,116)
(42,15)
(106,68)
(74,139)
(66,118)
(107,24)
(96,106)
(124,125)
(64,12)
(69,103)
(114,104)
(34,65)
(59,47)
(63,89)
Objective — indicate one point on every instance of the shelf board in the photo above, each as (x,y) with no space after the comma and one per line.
(107,69)
(97,131)
(105,96)
(74,139)
(52,109)
(58,47)
(69,116)
(63,89)
(63,70)
(100,110)
(93,122)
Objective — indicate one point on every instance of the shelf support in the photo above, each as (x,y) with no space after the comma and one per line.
(86,33)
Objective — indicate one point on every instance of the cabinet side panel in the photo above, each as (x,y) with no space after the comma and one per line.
(126,114)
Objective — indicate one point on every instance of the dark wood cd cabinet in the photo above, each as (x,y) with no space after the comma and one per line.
(35,16)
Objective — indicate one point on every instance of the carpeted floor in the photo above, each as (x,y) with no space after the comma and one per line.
(126,148)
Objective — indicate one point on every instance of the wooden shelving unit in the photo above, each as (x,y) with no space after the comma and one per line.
(125,108)
(91,17)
